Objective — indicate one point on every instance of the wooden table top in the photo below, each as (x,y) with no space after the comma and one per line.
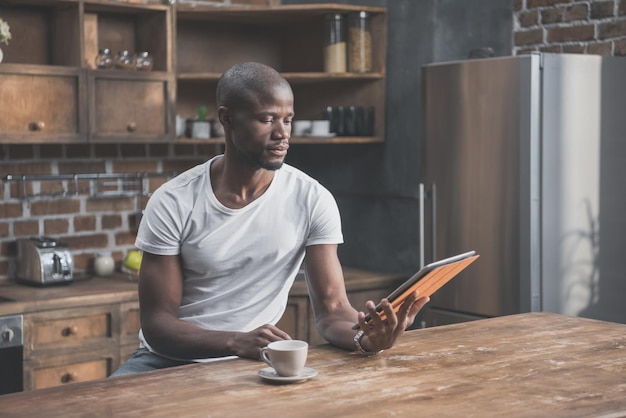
(528,365)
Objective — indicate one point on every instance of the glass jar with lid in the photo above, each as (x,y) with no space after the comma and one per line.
(125,61)
(335,46)
(104,60)
(144,61)
(359,43)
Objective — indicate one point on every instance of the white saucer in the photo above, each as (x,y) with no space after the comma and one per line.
(268,373)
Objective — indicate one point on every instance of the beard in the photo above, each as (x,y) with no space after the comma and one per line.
(255,160)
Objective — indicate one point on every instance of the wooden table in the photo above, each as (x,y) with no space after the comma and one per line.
(528,365)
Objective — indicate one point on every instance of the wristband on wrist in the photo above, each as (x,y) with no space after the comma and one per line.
(357,342)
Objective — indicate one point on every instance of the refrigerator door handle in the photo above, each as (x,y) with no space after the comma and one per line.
(433,220)
(432,194)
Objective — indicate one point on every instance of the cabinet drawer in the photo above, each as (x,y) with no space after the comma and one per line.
(40,105)
(66,329)
(70,373)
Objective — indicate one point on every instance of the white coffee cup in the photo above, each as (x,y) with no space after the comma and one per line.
(320,127)
(287,357)
(301,127)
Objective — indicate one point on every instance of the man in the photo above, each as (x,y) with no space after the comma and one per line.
(223,242)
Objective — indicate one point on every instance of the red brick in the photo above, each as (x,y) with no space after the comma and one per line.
(133,150)
(181,150)
(84,223)
(109,204)
(25,168)
(124,238)
(105,150)
(4,268)
(576,12)
(55,226)
(571,33)
(600,48)
(82,263)
(82,242)
(530,4)
(208,150)
(111,221)
(622,8)
(518,5)
(78,151)
(135,166)
(602,9)
(159,150)
(54,207)
(612,29)
(620,48)
(178,166)
(81,167)
(4,229)
(530,18)
(51,187)
(21,152)
(551,49)
(552,15)
(574,49)
(25,228)
(11,210)
(50,151)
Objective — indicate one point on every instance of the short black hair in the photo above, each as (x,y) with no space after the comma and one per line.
(237,85)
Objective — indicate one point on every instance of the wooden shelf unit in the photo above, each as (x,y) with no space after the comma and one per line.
(51,93)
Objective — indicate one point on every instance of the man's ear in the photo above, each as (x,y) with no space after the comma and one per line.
(223,114)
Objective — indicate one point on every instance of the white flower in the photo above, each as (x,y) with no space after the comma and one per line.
(5,34)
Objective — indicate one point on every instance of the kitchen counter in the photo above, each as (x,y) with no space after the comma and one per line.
(526,365)
(80,293)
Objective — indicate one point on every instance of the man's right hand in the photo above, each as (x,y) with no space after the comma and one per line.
(249,344)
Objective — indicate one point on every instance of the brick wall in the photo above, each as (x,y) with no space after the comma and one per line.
(78,212)
(570,26)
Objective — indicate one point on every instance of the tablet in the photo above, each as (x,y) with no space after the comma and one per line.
(427,281)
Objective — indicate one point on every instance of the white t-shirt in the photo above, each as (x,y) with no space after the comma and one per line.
(238,264)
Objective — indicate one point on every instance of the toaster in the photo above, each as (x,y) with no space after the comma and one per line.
(43,261)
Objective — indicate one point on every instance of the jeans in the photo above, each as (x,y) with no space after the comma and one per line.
(142,360)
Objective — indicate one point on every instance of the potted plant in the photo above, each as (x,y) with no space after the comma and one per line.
(201,127)
(5,35)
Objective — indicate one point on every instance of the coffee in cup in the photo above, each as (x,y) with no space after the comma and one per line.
(287,357)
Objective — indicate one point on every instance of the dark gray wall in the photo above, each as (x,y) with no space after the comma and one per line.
(376,185)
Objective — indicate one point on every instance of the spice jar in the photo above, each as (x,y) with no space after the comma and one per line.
(125,61)
(104,265)
(359,43)
(144,62)
(104,60)
(335,46)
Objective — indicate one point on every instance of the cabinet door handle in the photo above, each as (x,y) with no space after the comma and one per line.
(68,377)
(68,331)
(37,126)
(132,127)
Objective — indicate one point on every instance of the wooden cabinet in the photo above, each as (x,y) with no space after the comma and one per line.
(288,38)
(50,90)
(63,346)
(361,285)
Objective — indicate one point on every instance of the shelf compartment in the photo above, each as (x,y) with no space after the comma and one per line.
(42,33)
(131,27)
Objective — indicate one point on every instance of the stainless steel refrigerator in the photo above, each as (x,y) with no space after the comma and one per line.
(524,161)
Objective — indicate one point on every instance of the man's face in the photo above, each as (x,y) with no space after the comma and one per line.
(261,132)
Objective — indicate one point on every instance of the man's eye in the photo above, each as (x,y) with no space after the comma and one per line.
(288,122)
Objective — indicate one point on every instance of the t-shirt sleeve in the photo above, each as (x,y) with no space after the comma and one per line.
(161,226)
(325,220)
